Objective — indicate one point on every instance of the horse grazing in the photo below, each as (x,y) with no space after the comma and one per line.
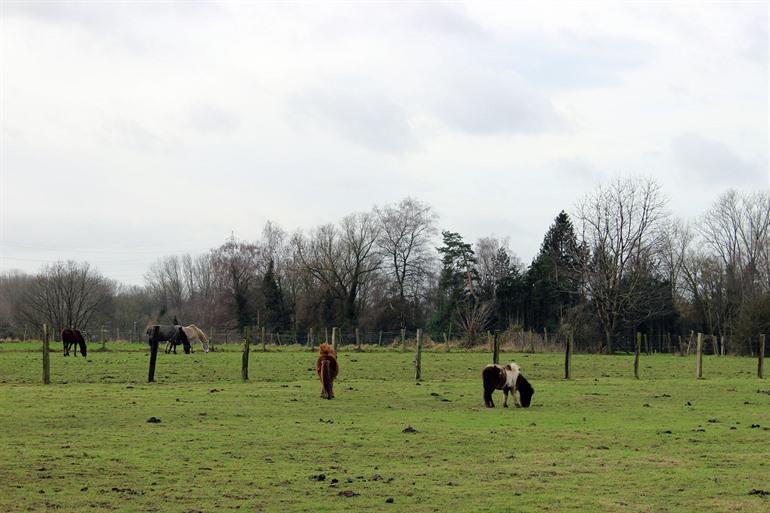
(70,337)
(327,369)
(195,334)
(168,333)
(507,378)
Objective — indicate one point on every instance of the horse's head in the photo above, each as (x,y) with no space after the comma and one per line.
(525,391)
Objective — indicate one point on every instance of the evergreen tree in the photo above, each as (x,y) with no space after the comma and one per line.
(275,313)
(510,293)
(457,279)
(553,279)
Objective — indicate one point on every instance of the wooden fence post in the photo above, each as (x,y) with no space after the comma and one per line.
(496,348)
(418,357)
(133,332)
(699,357)
(335,336)
(24,337)
(358,341)
(403,339)
(263,339)
(379,340)
(637,349)
(326,335)
(104,339)
(153,353)
(689,341)
(723,344)
(761,357)
(310,338)
(46,357)
(545,337)
(681,345)
(568,356)
(211,339)
(246,349)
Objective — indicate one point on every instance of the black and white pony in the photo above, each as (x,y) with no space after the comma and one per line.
(168,333)
(507,378)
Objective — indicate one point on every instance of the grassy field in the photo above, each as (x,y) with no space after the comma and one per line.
(601,442)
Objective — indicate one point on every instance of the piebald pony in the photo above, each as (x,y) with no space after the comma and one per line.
(507,378)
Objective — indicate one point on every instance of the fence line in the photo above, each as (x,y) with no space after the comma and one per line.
(510,340)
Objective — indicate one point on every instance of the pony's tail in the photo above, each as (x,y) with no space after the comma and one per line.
(326,379)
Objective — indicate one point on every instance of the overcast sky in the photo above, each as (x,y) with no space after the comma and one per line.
(133,131)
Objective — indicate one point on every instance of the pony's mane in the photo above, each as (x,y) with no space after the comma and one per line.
(326,349)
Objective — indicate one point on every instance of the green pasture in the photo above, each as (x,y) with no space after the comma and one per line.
(602,441)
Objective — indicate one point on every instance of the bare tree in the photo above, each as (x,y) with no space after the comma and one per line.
(342,258)
(677,240)
(235,266)
(167,282)
(494,260)
(620,225)
(406,235)
(736,235)
(67,294)
(13,289)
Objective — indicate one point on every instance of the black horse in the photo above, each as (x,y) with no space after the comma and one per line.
(168,333)
(70,337)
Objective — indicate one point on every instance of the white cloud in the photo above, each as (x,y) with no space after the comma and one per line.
(499,115)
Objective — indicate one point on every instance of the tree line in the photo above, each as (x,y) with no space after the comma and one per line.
(617,264)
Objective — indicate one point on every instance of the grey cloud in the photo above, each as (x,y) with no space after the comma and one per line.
(445,19)
(702,159)
(568,61)
(366,118)
(103,16)
(575,169)
(486,104)
(757,37)
(212,119)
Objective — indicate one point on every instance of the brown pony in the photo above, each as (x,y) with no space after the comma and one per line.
(327,368)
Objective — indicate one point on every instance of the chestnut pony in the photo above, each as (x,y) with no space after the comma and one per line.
(327,368)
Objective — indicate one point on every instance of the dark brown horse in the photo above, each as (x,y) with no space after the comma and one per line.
(327,369)
(507,378)
(168,333)
(70,337)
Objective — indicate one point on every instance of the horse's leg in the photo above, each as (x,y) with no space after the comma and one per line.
(505,392)
(488,397)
